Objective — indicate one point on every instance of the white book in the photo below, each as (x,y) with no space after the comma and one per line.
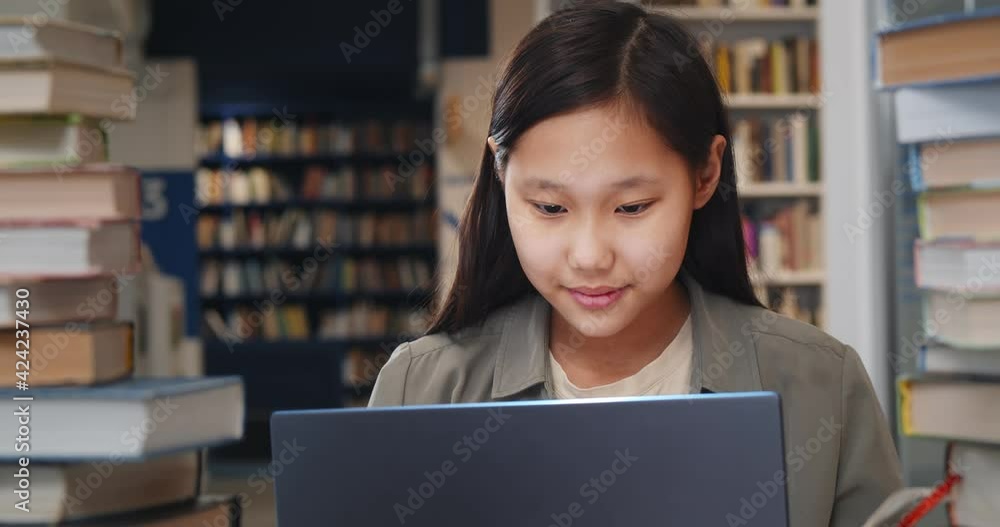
(232,138)
(962,319)
(129,420)
(77,491)
(239,188)
(799,124)
(958,265)
(260,182)
(64,249)
(58,300)
(948,112)
(743,153)
(62,40)
(54,87)
(944,359)
(43,141)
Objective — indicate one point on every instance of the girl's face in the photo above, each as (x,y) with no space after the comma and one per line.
(599,209)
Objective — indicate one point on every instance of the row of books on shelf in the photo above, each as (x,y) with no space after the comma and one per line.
(251,136)
(231,278)
(300,229)
(295,322)
(757,65)
(742,4)
(790,239)
(263,186)
(777,149)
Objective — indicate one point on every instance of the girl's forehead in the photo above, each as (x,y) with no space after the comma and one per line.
(595,147)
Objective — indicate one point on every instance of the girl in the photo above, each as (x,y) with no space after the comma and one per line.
(601,254)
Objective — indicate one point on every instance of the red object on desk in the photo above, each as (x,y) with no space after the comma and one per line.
(930,502)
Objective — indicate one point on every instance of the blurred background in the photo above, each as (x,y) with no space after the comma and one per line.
(272,189)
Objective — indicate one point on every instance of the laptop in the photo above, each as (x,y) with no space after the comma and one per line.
(706,459)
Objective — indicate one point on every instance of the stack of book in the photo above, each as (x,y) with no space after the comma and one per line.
(945,72)
(88,442)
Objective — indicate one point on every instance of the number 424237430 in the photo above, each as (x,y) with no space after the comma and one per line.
(22,344)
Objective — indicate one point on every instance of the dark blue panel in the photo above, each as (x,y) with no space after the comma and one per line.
(169,233)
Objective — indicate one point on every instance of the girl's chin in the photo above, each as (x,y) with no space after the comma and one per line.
(594,324)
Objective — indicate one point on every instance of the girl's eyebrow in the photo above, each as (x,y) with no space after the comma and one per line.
(624,184)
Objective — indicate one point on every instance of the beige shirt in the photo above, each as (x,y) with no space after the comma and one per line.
(667,374)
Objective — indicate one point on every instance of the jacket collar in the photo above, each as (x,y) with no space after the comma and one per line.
(725,358)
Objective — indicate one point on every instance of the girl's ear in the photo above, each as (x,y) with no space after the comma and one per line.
(493,148)
(708,177)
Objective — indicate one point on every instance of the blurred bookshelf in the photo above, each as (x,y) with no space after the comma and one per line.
(946,350)
(316,235)
(766,59)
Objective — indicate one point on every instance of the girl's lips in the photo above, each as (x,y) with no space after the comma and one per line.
(597,297)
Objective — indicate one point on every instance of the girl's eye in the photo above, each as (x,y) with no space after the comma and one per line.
(633,209)
(549,210)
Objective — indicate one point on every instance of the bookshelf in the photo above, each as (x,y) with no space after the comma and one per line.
(767,61)
(317,247)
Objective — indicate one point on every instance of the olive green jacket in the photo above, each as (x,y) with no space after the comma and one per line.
(840,458)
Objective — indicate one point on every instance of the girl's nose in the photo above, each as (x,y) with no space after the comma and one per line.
(590,251)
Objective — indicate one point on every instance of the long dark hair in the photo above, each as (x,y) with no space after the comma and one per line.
(584,57)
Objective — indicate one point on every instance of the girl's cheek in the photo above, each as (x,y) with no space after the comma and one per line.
(657,253)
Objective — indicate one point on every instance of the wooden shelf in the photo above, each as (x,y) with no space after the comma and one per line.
(749,14)
(812,277)
(769,101)
(780,190)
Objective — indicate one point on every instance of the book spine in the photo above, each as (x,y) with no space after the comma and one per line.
(916,171)
(904,406)
(924,218)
